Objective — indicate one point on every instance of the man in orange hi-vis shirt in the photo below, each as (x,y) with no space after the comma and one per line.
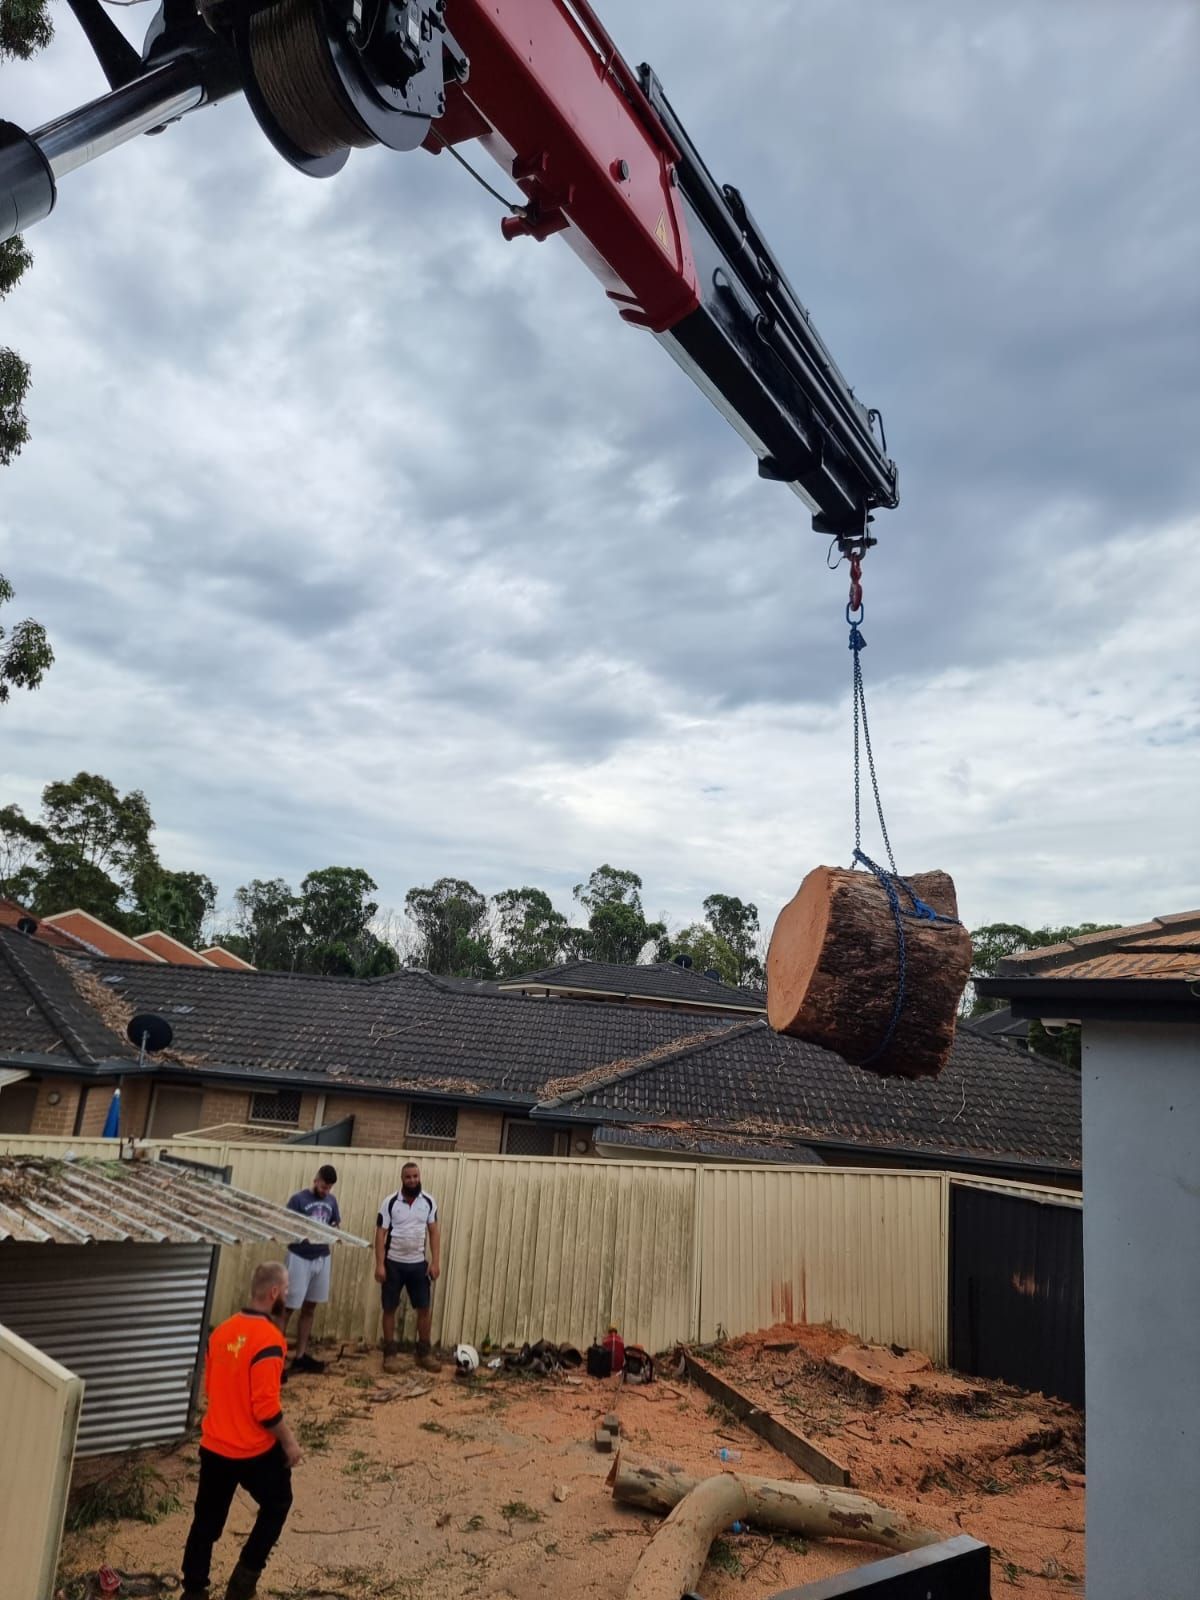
(244,1441)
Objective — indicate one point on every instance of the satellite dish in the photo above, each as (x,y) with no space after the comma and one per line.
(711,972)
(26,925)
(150,1033)
(683,961)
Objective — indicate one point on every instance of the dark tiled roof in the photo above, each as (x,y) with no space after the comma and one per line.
(1166,948)
(658,980)
(990,1100)
(407,1031)
(999,1024)
(42,1012)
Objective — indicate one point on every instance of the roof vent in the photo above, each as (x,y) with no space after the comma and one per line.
(27,925)
(711,972)
(684,961)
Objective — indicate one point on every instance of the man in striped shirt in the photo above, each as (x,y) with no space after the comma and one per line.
(244,1441)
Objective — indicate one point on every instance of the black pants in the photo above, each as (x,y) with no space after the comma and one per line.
(267,1479)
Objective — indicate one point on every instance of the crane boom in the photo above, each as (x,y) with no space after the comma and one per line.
(595,148)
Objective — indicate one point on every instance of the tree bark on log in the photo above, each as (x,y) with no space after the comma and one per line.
(833,971)
(699,1510)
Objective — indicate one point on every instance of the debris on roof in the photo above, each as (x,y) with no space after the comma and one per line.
(141,1201)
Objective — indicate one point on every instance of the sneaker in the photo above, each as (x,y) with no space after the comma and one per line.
(307,1363)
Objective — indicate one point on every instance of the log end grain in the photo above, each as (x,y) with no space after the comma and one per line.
(833,971)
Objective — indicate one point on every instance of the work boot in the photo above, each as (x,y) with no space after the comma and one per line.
(391,1357)
(243,1584)
(426,1359)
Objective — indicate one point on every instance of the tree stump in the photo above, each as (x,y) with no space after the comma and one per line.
(833,971)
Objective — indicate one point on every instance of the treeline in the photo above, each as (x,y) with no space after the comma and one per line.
(92,847)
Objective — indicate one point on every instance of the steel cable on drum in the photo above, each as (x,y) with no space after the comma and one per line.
(298,82)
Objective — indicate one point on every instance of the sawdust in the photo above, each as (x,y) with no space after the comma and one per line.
(496,1488)
(969,1454)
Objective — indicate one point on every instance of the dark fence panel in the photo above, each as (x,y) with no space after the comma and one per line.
(1016,1291)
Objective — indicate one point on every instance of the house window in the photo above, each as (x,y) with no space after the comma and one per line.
(433,1122)
(280,1105)
(523,1137)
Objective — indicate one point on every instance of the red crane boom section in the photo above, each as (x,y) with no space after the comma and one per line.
(553,102)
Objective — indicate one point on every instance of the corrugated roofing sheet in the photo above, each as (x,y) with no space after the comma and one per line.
(140,1202)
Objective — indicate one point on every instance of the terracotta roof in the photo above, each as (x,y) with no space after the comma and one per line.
(989,1101)
(1166,948)
(168,948)
(96,935)
(657,980)
(12,913)
(217,956)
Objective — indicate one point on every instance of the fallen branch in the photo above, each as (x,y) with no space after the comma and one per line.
(699,1510)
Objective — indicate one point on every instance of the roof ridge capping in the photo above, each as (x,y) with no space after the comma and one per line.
(591,1079)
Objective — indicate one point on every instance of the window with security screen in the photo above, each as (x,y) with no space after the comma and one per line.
(282,1105)
(433,1122)
(523,1137)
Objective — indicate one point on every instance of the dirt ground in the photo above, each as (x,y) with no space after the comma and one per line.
(419,1488)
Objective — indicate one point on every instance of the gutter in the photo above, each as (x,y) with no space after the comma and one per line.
(170,1072)
(1098,999)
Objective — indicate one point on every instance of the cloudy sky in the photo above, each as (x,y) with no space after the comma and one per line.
(366,538)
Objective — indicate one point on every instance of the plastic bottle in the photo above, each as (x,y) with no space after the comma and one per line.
(728,1455)
(613,1342)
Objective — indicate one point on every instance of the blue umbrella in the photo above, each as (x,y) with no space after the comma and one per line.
(112,1123)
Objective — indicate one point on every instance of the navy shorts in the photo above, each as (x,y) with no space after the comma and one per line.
(411,1277)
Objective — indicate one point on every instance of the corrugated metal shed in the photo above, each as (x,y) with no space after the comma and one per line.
(140,1202)
(122,1298)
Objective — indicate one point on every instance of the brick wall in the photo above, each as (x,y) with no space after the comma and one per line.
(56,1120)
(380,1123)
(222,1104)
(479,1131)
(98,1098)
(135,1107)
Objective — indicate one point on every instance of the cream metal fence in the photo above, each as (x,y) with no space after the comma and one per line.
(672,1252)
(40,1403)
(865,1251)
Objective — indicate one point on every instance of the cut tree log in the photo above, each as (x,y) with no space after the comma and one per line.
(832,971)
(699,1510)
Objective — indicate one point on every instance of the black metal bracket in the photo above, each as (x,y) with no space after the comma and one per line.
(118,59)
(956,1569)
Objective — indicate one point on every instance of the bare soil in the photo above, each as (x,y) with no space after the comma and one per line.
(427,1488)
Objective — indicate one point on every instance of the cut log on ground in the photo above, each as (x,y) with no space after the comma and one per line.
(699,1510)
(832,971)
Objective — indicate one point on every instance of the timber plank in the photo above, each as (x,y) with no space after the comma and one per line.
(818,1463)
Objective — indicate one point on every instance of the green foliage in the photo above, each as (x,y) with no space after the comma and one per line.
(135,1492)
(736,923)
(25,28)
(709,952)
(998,940)
(323,929)
(451,922)
(617,929)
(25,653)
(178,903)
(530,934)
